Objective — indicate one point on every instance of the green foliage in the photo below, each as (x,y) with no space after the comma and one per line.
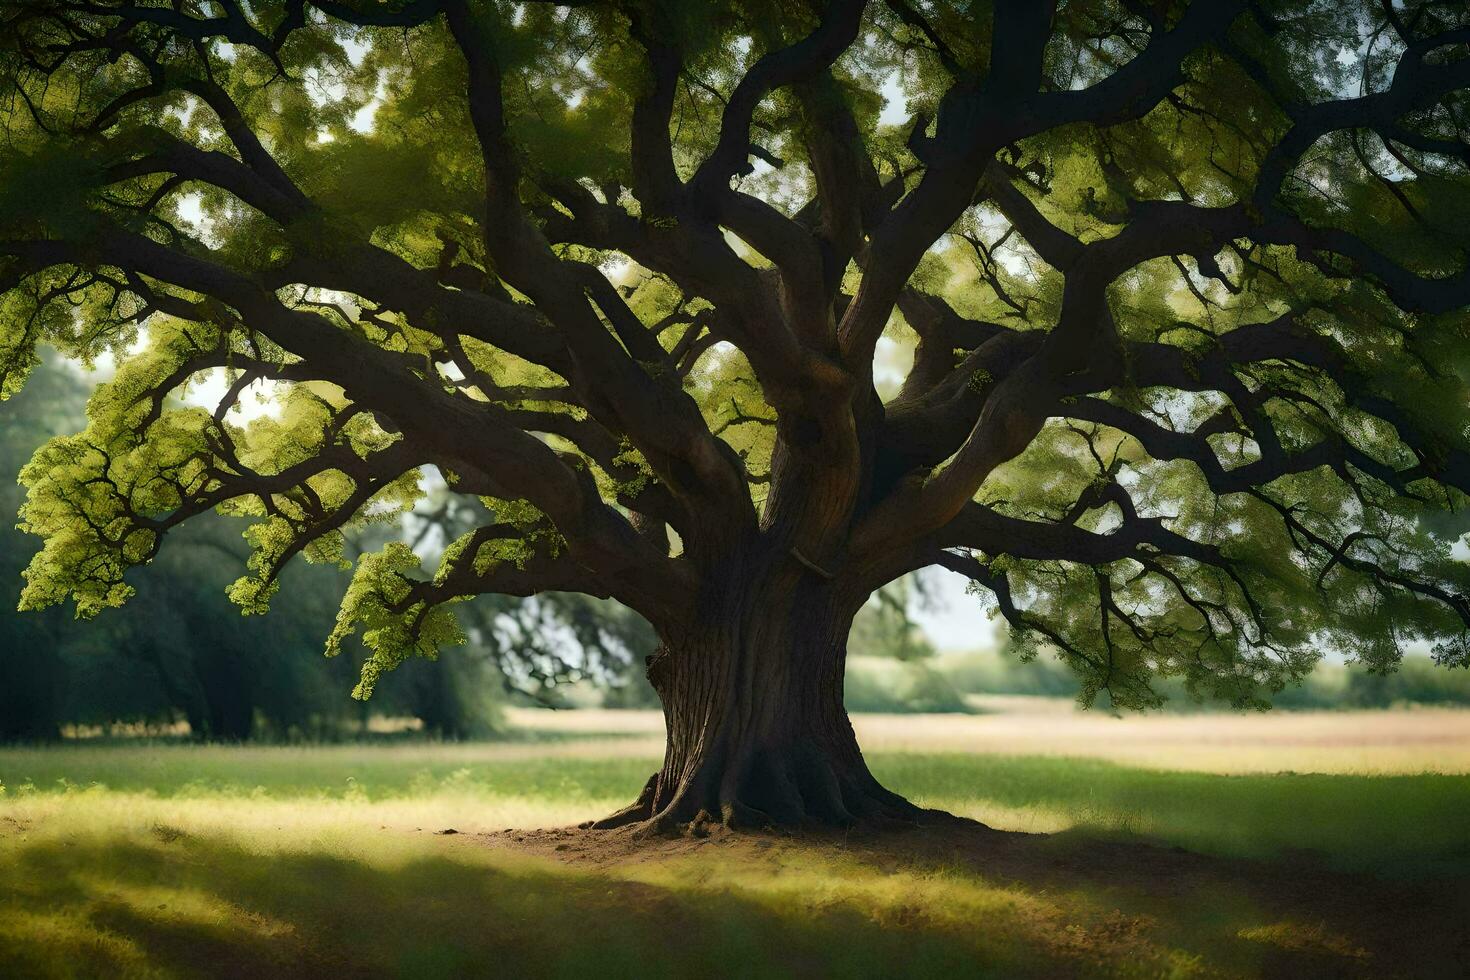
(880,684)
(1000,672)
(146,664)
(379,603)
(885,627)
(1416,681)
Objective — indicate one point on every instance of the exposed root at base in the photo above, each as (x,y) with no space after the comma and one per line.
(639,811)
(743,822)
(837,807)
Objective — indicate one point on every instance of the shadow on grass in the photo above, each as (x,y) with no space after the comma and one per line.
(1296,916)
(1390,825)
(958,900)
(201,907)
(955,899)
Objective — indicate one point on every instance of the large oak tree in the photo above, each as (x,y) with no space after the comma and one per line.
(1183,285)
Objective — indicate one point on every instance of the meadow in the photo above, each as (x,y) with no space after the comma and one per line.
(1306,844)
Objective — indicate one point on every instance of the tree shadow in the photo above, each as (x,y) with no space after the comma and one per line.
(197,907)
(1110,901)
(1296,916)
(949,898)
(1396,825)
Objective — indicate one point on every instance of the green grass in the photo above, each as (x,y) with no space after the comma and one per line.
(1407,824)
(1391,825)
(173,770)
(174,860)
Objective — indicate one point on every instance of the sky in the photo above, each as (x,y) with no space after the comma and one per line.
(954,620)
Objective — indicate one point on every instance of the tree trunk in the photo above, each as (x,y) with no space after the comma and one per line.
(756,728)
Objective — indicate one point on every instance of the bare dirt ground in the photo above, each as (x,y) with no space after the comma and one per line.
(1305,919)
(1324,923)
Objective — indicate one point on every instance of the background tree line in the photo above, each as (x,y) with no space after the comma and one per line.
(182,651)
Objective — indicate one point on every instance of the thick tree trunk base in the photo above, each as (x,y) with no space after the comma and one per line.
(758,736)
(780,794)
(638,822)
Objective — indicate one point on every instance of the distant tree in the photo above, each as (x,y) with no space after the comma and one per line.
(530,647)
(1183,282)
(32,676)
(885,626)
(180,647)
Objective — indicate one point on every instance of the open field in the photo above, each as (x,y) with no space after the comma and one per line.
(1283,845)
(1378,742)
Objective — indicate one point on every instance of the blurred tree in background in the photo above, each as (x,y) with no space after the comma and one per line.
(182,650)
(32,685)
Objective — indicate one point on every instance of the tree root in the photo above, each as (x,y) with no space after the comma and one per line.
(801,796)
(638,811)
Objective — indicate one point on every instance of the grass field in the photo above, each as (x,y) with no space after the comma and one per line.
(1291,845)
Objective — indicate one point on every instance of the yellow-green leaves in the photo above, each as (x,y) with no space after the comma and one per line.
(532,533)
(381,605)
(97,504)
(103,500)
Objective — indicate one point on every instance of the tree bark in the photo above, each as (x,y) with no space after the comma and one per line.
(757,734)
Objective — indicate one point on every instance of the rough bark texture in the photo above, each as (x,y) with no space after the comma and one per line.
(757,732)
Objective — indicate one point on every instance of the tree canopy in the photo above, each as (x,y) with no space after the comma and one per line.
(1146,316)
